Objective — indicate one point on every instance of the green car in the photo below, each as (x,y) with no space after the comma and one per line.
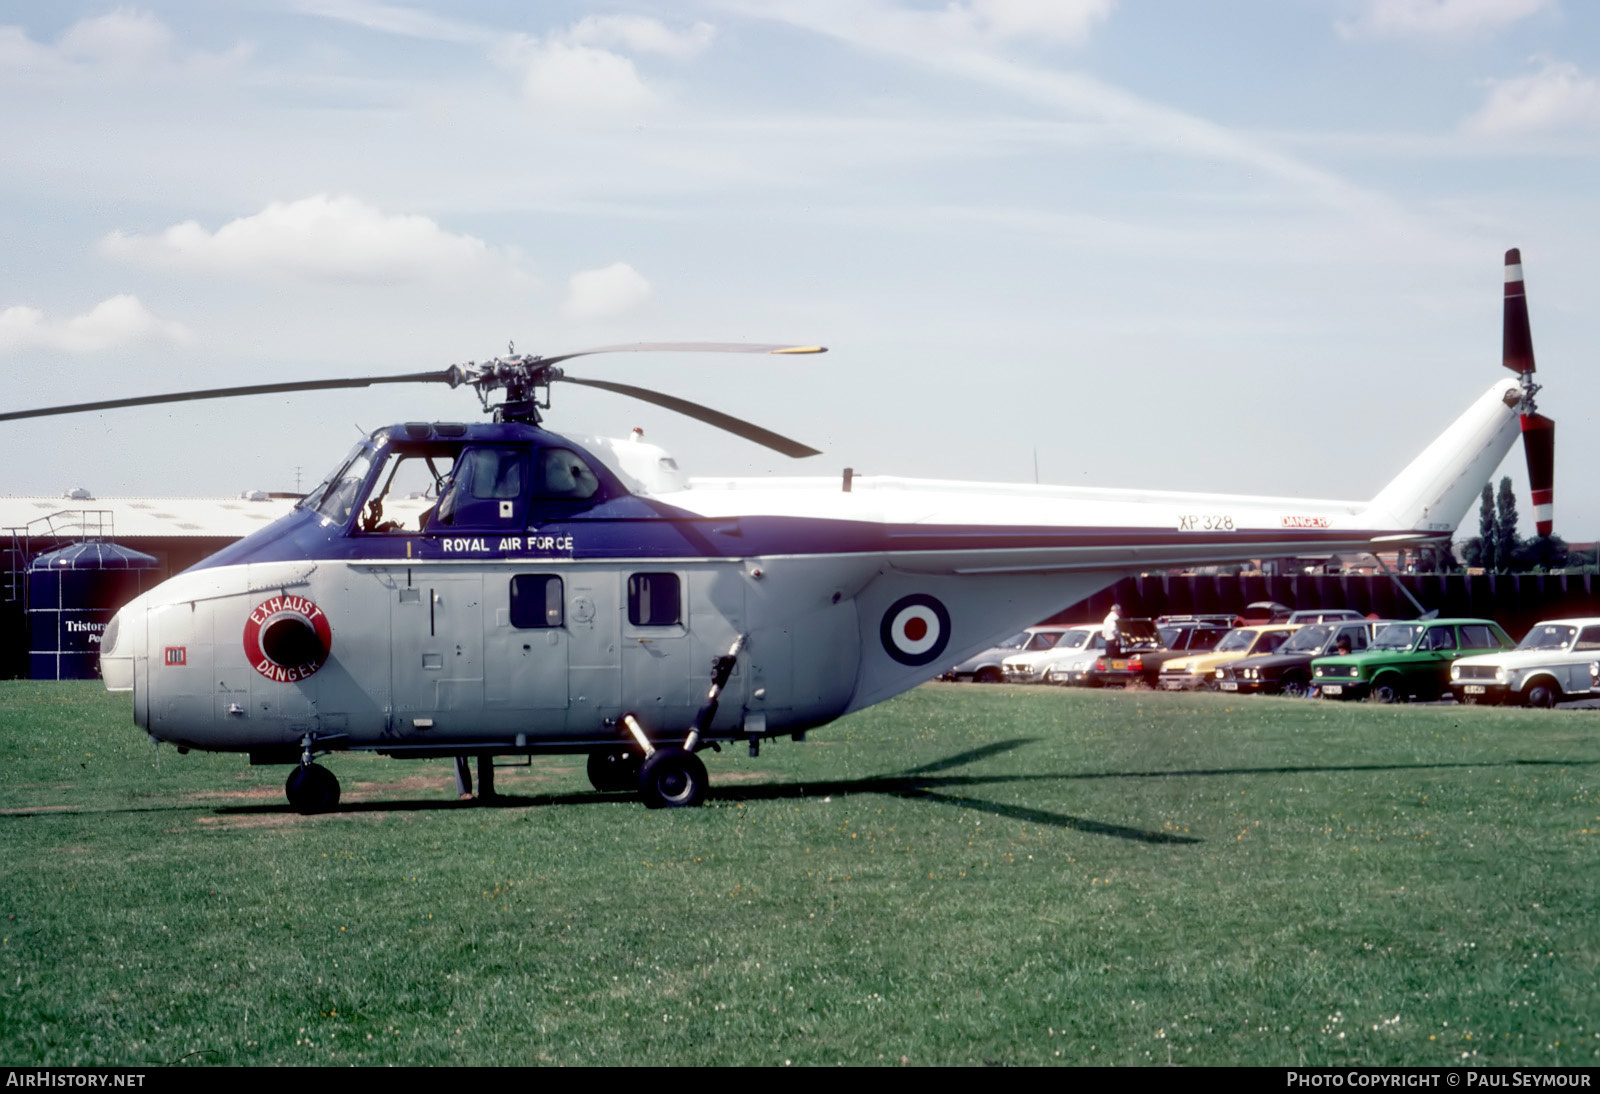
(1407,660)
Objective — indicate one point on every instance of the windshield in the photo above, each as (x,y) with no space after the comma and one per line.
(1015,642)
(1042,641)
(1397,636)
(340,497)
(1237,641)
(314,495)
(1072,640)
(1548,636)
(1308,639)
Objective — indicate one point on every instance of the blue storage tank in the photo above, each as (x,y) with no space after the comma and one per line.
(72,594)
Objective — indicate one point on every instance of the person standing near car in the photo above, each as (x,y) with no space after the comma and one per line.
(1110,631)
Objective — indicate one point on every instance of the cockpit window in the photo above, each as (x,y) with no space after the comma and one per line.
(406,489)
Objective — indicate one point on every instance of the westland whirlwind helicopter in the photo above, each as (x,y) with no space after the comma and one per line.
(499,590)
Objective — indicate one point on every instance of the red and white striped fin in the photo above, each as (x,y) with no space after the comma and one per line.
(1539,445)
(1517,344)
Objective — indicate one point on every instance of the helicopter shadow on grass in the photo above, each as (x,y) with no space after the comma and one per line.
(925,784)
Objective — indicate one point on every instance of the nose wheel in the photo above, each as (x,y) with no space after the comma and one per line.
(312,788)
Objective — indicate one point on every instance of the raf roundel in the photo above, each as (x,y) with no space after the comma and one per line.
(915,630)
(287,638)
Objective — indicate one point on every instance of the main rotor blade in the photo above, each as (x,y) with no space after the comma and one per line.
(736,426)
(228,393)
(1516,344)
(1539,445)
(686,347)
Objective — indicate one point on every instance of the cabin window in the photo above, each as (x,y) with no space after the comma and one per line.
(562,473)
(654,600)
(1588,640)
(537,601)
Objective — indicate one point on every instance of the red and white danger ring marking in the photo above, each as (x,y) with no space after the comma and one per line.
(287,638)
(915,630)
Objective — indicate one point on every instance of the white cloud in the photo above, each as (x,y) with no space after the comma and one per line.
(1558,96)
(125,37)
(641,34)
(606,292)
(110,324)
(1438,18)
(125,40)
(566,82)
(321,237)
(581,74)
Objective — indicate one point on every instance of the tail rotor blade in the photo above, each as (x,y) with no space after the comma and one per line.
(1539,444)
(1517,344)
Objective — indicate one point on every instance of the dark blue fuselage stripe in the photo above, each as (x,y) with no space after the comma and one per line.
(670,534)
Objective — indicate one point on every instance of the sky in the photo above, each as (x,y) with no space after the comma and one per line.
(1252,246)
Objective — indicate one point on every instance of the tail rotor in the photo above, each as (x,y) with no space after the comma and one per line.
(1538,432)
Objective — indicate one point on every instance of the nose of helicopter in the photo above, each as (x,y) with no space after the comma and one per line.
(116,653)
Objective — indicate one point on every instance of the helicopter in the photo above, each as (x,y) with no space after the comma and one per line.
(495,589)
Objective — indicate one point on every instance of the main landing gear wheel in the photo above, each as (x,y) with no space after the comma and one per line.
(672,779)
(312,788)
(609,771)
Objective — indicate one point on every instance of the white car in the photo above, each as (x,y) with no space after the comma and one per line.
(985,667)
(1556,661)
(1031,665)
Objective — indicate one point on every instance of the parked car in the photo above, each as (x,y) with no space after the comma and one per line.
(1552,663)
(1186,673)
(1030,666)
(1407,660)
(1287,670)
(1147,647)
(988,667)
(1325,615)
(1073,669)
(1258,612)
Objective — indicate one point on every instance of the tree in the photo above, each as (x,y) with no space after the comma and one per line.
(1545,553)
(1505,526)
(1486,538)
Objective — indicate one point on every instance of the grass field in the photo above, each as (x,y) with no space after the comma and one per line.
(963,875)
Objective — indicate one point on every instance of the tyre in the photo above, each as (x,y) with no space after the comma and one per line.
(989,674)
(1543,695)
(672,779)
(1386,691)
(1295,687)
(611,771)
(312,788)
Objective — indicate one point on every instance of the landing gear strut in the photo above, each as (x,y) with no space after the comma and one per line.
(485,777)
